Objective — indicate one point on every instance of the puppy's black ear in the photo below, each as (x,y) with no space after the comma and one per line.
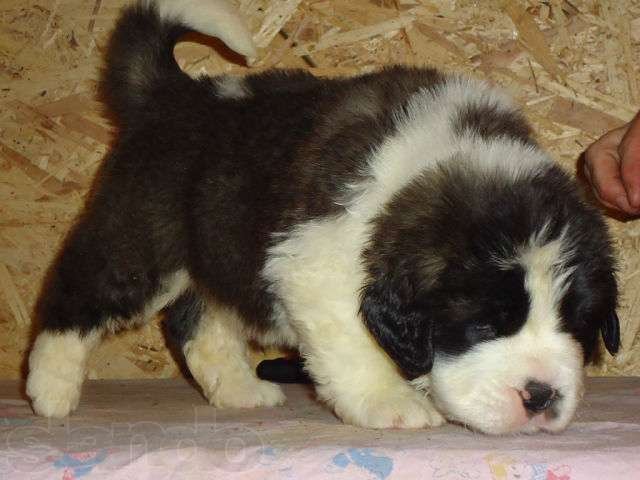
(403,330)
(611,332)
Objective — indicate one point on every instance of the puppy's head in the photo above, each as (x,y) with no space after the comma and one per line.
(495,287)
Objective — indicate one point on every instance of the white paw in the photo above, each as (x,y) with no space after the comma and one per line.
(406,408)
(247,394)
(57,366)
(241,391)
(53,395)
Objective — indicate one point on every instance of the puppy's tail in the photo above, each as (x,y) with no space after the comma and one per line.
(140,54)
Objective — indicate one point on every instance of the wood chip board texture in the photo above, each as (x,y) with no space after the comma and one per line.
(571,65)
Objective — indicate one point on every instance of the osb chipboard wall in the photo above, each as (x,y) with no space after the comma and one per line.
(572,65)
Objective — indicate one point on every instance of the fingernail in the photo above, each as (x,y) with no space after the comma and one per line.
(623,203)
(634,198)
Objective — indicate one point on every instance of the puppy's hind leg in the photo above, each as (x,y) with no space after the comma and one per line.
(79,304)
(212,339)
(57,367)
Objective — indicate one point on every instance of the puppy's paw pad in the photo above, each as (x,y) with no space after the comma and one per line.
(53,396)
(246,393)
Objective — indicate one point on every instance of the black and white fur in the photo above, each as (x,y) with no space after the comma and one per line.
(401,229)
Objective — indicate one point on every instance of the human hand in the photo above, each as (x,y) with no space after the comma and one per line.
(612,167)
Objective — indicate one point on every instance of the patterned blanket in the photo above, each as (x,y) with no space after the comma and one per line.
(163,429)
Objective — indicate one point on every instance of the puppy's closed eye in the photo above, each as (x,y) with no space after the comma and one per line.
(483,332)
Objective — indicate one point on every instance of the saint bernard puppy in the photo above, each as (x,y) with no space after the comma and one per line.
(401,229)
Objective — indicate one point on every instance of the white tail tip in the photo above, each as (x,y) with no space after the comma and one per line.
(217,18)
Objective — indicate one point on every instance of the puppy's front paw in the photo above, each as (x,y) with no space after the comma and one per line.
(401,409)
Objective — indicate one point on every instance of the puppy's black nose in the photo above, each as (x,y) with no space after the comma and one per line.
(537,397)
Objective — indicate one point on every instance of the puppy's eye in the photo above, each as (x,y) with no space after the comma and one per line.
(485,331)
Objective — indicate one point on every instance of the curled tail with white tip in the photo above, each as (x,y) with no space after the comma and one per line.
(140,53)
